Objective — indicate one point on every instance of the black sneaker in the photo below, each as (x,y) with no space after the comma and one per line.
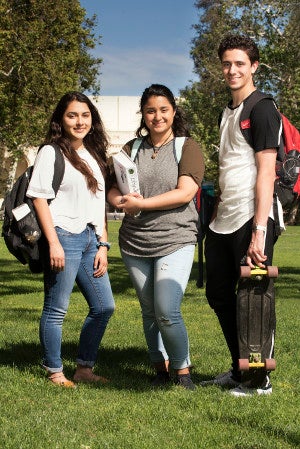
(161,379)
(185,381)
(224,380)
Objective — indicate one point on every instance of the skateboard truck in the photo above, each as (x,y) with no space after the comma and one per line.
(255,361)
(258,273)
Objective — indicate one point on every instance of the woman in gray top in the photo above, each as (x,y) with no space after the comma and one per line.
(159,231)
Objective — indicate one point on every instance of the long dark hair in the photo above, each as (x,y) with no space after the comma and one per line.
(179,126)
(96,141)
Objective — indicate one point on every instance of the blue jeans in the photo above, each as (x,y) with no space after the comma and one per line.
(160,283)
(80,250)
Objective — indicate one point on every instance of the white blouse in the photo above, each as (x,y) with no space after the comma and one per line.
(74,205)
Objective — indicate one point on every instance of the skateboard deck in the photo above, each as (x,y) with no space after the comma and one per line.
(256,322)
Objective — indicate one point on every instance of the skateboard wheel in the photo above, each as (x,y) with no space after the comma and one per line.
(245,271)
(270,364)
(272,272)
(243,365)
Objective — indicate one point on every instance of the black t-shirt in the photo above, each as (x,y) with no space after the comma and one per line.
(265,125)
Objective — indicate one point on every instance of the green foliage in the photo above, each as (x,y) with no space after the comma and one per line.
(275,26)
(44,52)
(193,102)
(126,413)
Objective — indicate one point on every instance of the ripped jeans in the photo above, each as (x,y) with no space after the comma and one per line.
(160,283)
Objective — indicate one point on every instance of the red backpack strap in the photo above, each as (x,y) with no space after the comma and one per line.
(198,199)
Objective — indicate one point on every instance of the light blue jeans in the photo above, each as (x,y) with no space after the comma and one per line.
(160,283)
(80,250)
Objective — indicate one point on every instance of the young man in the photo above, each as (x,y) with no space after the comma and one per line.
(242,231)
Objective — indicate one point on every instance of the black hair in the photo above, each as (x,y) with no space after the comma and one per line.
(245,43)
(96,141)
(179,126)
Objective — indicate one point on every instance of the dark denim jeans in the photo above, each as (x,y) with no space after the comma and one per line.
(80,250)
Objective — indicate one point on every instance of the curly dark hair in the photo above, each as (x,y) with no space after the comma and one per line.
(240,42)
(179,126)
(96,141)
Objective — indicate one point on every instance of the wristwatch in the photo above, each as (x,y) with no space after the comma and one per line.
(257,227)
(106,244)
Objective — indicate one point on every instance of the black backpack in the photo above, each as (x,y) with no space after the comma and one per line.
(21,231)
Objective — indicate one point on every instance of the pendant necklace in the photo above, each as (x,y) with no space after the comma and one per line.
(156,149)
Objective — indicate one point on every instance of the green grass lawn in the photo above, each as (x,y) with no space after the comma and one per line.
(126,413)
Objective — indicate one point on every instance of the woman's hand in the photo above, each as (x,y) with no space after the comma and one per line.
(100,262)
(57,256)
(131,203)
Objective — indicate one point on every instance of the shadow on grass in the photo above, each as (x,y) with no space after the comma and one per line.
(16,279)
(287,285)
(287,280)
(126,368)
(26,314)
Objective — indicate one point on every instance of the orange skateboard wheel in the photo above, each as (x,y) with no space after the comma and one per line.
(245,271)
(270,364)
(272,272)
(243,365)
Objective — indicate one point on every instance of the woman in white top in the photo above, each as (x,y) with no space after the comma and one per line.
(74,225)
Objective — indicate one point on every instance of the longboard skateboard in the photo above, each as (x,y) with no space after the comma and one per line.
(256,321)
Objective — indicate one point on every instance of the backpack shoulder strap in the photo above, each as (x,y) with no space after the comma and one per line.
(179,142)
(249,104)
(135,147)
(59,167)
(220,118)
(251,101)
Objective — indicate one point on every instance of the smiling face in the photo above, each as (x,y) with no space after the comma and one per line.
(237,69)
(77,121)
(158,114)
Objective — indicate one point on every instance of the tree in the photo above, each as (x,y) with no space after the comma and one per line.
(275,27)
(44,52)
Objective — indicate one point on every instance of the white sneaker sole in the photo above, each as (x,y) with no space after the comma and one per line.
(244,392)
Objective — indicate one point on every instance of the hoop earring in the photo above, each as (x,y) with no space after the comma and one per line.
(91,130)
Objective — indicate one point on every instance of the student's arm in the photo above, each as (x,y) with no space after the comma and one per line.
(114,196)
(183,193)
(265,161)
(100,261)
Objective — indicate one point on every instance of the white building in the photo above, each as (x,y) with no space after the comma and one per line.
(120,116)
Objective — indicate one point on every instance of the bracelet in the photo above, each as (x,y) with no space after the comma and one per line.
(105,244)
(257,227)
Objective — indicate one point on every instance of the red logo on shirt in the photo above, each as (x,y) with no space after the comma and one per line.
(245,124)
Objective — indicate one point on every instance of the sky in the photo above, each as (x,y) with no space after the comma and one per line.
(143,42)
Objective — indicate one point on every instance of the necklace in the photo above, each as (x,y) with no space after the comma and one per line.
(156,149)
